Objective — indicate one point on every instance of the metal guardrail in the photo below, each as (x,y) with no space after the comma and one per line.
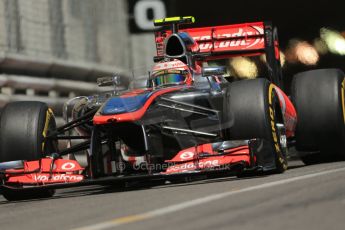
(54,92)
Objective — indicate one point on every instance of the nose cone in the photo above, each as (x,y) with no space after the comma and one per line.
(117,105)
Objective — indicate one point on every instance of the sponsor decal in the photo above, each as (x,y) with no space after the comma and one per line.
(187,155)
(58,178)
(245,40)
(68,166)
(169,65)
(273,127)
(192,166)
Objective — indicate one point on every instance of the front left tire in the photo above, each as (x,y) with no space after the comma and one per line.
(24,127)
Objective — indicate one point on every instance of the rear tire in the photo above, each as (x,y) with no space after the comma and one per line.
(253,111)
(318,96)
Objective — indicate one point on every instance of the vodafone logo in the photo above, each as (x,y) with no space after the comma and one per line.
(68,166)
(191,166)
(58,177)
(187,155)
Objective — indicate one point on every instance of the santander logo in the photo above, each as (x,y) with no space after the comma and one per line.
(245,39)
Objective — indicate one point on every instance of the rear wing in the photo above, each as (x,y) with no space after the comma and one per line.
(219,42)
(243,38)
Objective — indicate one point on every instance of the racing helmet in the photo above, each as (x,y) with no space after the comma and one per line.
(169,73)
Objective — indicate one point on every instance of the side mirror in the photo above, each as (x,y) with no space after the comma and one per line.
(118,84)
(109,81)
(213,71)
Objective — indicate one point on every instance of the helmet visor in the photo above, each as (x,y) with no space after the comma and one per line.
(169,78)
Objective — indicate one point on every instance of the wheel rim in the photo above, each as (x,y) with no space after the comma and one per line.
(279,132)
(282,135)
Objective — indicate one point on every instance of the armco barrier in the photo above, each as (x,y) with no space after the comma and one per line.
(55,92)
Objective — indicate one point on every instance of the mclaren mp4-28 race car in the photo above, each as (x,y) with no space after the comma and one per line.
(189,116)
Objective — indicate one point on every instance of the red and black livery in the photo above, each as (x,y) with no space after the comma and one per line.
(211,126)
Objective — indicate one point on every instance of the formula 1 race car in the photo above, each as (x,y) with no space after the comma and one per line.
(189,116)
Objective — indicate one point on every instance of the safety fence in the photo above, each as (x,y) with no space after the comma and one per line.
(54,92)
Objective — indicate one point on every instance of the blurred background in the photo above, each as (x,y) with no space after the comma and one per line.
(51,50)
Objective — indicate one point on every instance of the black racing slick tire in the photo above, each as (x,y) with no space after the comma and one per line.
(23,128)
(318,96)
(253,111)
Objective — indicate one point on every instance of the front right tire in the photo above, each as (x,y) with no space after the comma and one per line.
(252,110)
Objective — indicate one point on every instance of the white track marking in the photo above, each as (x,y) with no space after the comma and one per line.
(188,204)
